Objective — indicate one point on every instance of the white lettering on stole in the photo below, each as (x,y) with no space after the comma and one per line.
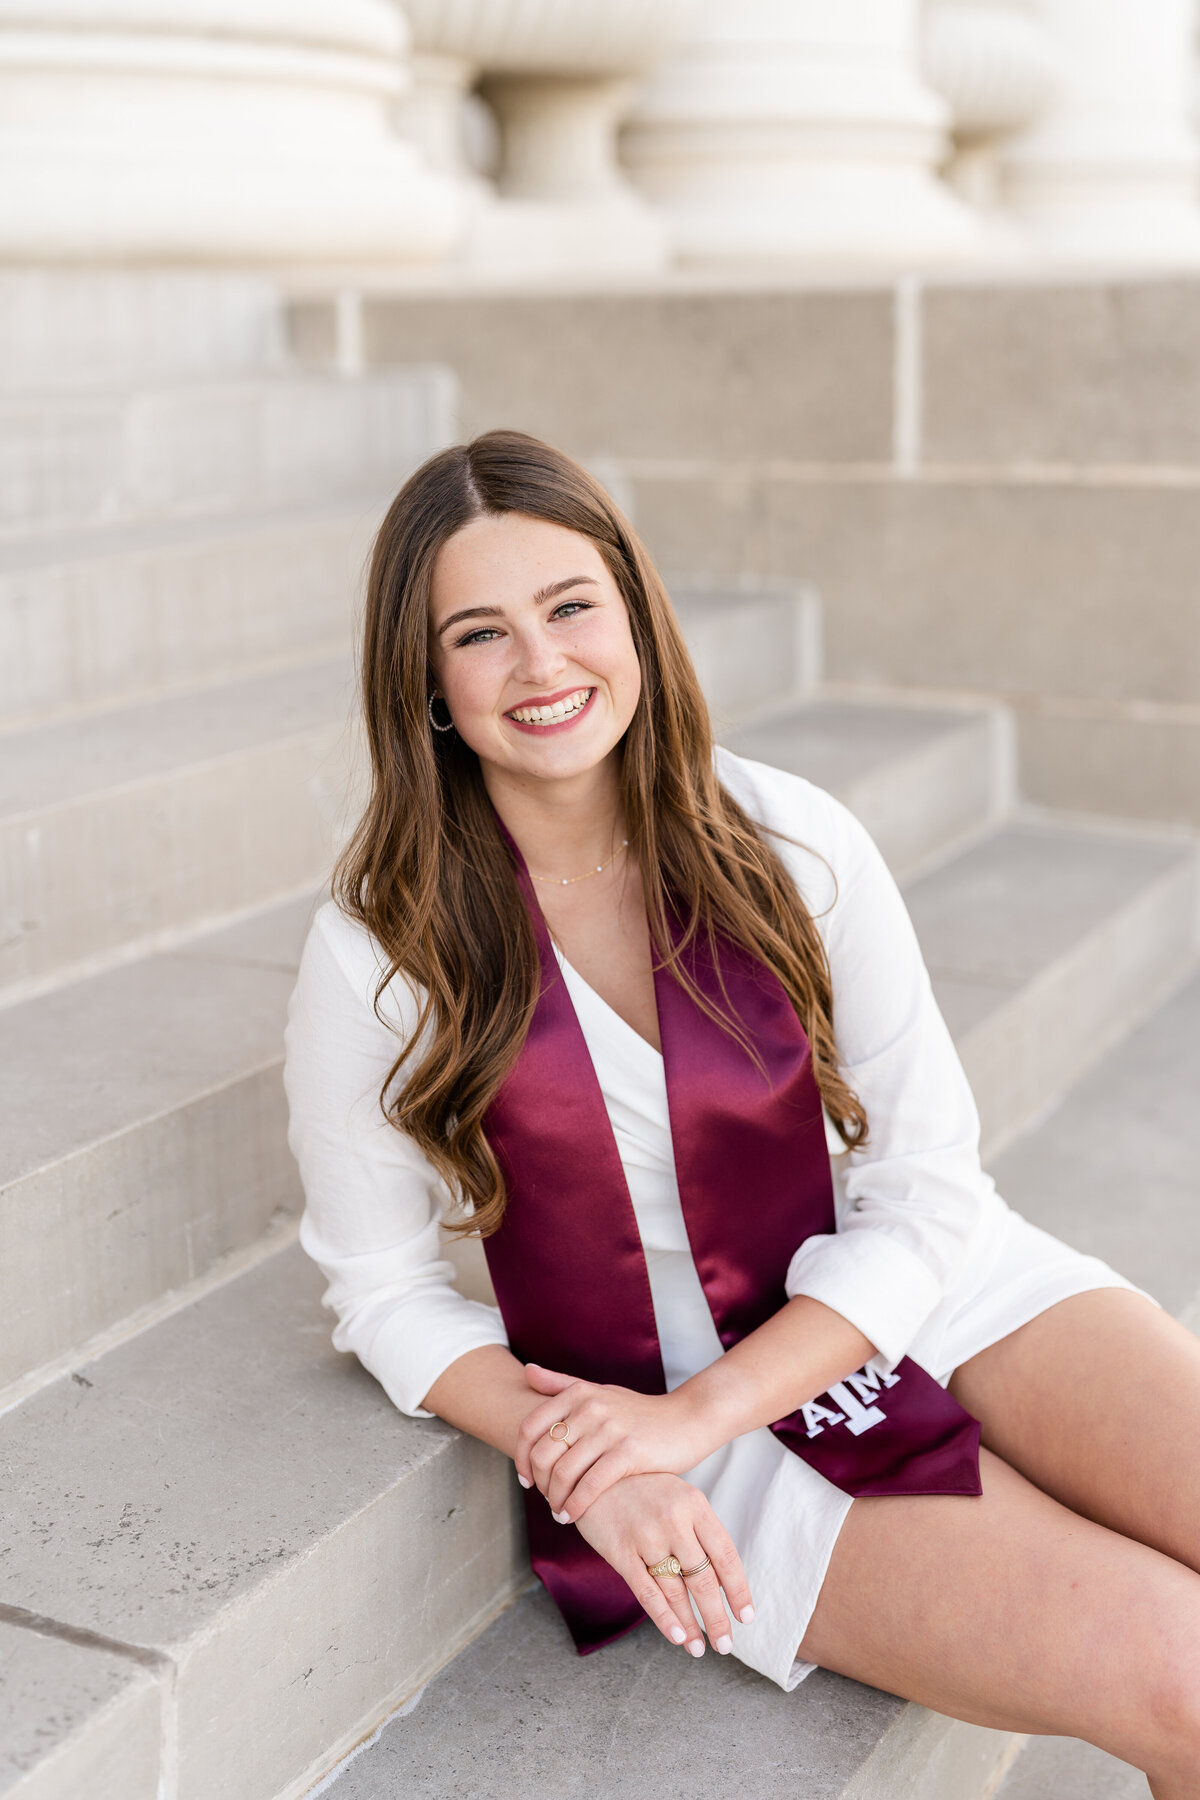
(850,1395)
(813,1415)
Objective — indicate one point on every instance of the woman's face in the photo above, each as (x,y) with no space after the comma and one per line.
(531,648)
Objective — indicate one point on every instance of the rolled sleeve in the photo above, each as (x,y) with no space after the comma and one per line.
(913,1202)
(373,1201)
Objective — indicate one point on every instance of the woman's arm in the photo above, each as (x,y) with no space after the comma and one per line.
(371,1225)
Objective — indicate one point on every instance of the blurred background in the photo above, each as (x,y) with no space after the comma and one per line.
(881,319)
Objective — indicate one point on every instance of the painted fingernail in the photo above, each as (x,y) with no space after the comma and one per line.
(563,1518)
(523,1482)
(677,1634)
(723,1646)
(696,1647)
(746,1614)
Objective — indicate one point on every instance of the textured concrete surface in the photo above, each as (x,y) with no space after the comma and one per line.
(110,618)
(75,1721)
(1064,1769)
(229,1492)
(121,827)
(79,458)
(752,649)
(724,375)
(1044,943)
(520,1713)
(1115,1169)
(918,779)
(1077,373)
(999,584)
(145,1134)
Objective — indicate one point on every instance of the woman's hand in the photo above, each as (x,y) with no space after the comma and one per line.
(612,1433)
(645,1518)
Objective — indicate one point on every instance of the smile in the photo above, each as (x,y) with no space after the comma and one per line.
(553,712)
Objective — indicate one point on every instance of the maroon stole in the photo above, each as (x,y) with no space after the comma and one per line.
(754,1181)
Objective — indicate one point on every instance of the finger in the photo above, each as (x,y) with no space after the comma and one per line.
(542,1458)
(533,1427)
(569,1470)
(585,1484)
(547,1381)
(705,1592)
(728,1564)
(650,1597)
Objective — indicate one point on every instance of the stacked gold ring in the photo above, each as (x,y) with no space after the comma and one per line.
(671,1565)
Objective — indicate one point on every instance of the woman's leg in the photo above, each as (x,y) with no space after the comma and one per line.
(1012,1611)
(1097,1400)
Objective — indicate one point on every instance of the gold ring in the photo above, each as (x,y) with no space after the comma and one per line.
(560,1425)
(670,1565)
(686,1573)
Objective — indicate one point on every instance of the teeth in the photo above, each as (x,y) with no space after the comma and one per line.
(557,711)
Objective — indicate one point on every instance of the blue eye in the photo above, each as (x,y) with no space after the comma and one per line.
(476,637)
(574,606)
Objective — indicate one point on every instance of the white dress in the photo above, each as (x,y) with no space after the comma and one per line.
(927,1261)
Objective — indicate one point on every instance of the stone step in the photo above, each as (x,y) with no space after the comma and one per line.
(229,1503)
(1046,942)
(78,459)
(920,778)
(647,1722)
(123,830)
(756,645)
(206,1496)
(1064,1769)
(172,1163)
(108,618)
(169,1166)
(89,328)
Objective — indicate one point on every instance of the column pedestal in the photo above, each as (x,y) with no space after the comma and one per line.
(1109,173)
(789,129)
(212,131)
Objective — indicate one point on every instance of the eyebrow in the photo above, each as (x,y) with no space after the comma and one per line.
(497,612)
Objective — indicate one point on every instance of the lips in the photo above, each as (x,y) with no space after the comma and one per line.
(555,709)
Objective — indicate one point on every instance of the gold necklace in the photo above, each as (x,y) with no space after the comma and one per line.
(570,880)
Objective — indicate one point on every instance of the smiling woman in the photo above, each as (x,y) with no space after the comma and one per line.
(577,993)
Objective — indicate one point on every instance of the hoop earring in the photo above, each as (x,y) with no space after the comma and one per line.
(449,726)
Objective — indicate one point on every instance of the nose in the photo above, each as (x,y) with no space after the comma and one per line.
(538,659)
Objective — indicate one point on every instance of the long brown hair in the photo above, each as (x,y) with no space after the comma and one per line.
(428,874)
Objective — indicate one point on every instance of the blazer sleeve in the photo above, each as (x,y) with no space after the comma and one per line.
(914,1200)
(372,1199)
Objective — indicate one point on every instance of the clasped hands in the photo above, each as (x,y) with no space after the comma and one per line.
(612,1432)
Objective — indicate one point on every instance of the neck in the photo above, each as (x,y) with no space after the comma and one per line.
(561,827)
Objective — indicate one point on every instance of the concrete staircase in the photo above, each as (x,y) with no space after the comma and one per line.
(226,1557)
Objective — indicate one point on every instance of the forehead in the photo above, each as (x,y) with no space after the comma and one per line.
(504,558)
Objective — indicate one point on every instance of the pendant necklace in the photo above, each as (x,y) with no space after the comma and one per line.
(570,880)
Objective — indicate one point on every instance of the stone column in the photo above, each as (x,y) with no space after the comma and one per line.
(557,75)
(995,64)
(1109,173)
(785,129)
(211,131)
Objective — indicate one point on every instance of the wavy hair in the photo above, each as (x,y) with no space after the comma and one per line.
(428,874)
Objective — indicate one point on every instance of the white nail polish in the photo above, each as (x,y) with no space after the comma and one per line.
(696,1647)
(678,1634)
(746,1615)
(523,1482)
(562,1518)
(723,1646)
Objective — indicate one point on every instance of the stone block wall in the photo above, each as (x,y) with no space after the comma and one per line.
(995,487)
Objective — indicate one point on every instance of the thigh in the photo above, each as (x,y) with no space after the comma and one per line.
(1097,1400)
(1011,1611)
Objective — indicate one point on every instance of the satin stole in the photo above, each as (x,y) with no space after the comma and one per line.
(754,1180)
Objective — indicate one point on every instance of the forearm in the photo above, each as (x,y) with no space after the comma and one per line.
(484,1392)
(772,1371)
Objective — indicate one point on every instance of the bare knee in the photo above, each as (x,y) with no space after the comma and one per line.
(1169,1704)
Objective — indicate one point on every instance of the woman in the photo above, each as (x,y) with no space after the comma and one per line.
(618,1002)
